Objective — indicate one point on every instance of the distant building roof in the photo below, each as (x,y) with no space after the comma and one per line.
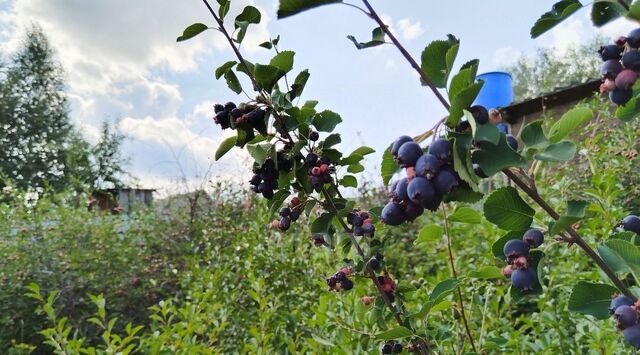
(514,112)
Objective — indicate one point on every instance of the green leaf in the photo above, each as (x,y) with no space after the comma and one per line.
(326,121)
(493,158)
(437,59)
(349,181)
(568,123)
(462,164)
(575,212)
(466,215)
(395,333)
(561,151)
(283,61)
(331,140)
(432,232)
(224,68)
(223,10)
(485,133)
(299,83)
(259,152)
(192,31)
(249,15)
(267,45)
(355,168)
(497,248)
(559,12)
(322,223)
(621,256)
(276,202)
(605,11)
(232,81)
(364,150)
(292,7)
(629,111)
(591,298)
(461,101)
(224,147)
(267,76)
(533,136)
(461,80)
(506,209)
(377,38)
(487,272)
(442,290)
(389,166)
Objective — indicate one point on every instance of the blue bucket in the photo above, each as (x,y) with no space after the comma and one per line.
(497,90)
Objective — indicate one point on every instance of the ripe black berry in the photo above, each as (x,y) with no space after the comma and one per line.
(401,190)
(314,136)
(412,211)
(285,212)
(515,248)
(625,316)
(618,301)
(610,68)
(312,158)
(524,279)
(631,60)
(398,143)
(445,182)
(374,263)
(610,51)
(346,285)
(386,348)
(480,114)
(620,96)
(409,153)
(441,148)
(229,106)
(632,335)
(393,214)
(631,223)
(633,38)
(285,223)
(397,348)
(420,189)
(428,166)
(433,204)
(533,237)
(463,126)
(218,108)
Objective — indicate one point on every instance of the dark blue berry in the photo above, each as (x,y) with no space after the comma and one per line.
(346,285)
(515,248)
(357,221)
(374,263)
(620,96)
(610,69)
(631,60)
(386,348)
(433,204)
(401,190)
(393,214)
(445,182)
(398,143)
(631,223)
(408,154)
(295,215)
(633,38)
(618,301)
(420,189)
(314,136)
(632,335)
(218,108)
(379,256)
(285,212)
(255,179)
(312,158)
(236,112)
(397,348)
(626,316)
(610,51)
(229,106)
(480,114)
(463,126)
(325,160)
(413,211)
(512,142)
(332,282)
(441,148)
(524,279)
(428,166)
(358,231)
(533,237)
(285,223)
(368,229)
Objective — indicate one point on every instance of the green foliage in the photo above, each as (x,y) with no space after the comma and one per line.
(377,38)
(292,7)
(559,12)
(192,31)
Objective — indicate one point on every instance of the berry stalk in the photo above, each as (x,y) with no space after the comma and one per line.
(575,237)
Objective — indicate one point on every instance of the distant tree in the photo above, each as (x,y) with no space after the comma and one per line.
(36,129)
(108,160)
(550,69)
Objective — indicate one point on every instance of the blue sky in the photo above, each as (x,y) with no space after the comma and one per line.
(122,63)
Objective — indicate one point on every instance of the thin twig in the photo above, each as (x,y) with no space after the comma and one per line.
(356,7)
(455,275)
(623,4)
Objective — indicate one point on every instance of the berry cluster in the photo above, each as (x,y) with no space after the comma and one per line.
(391,347)
(631,223)
(625,313)
(619,70)
(245,116)
(320,169)
(516,253)
(288,214)
(265,176)
(482,117)
(361,223)
(387,285)
(340,280)
(429,177)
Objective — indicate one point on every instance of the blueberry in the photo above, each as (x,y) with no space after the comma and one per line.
(332,282)
(632,335)
(294,215)
(631,60)
(515,248)
(218,108)
(480,114)
(350,217)
(285,212)
(386,348)
(413,211)
(358,231)
(420,189)
(357,221)
(317,180)
(314,136)
(236,112)
(618,301)
(433,204)
(428,166)
(393,214)
(533,237)
(610,51)
(397,348)
(524,279)
(620,96)
(479,172)
(610,69)
(398,143)
(229,106)
(379,256)
(626,316)
(255,179)
(625,79)
(445,182)
(346,285)
(631,223)
(633,38)
(408,154)
(285,223)
(401,190)
(441,148)
(325,160)
(312,158)
(512,142)
(222,118)
(374,263)
(368,229)
(463,126)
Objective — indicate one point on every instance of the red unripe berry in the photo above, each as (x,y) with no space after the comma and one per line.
(366,300)
(520,262)
(348,270)
(507,270)
(387,287)
(324,168)
(275,223)
(625,79)
(364,215)
(411,172)
(494,116)
(315,171)
(295,202)
(135,281)
(621,41)
(607,85)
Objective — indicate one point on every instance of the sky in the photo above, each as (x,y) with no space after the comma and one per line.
(123,64)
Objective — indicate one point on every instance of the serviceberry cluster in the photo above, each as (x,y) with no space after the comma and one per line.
(620,67)
(625,313)
(265,176)
(320,169)
(388,286)
(245,116)
(361,223)
(429,177)
(631,223)
(391,347)
(288,214)
(516,253)
(340,280)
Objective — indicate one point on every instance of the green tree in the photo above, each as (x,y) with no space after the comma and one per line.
(108,160)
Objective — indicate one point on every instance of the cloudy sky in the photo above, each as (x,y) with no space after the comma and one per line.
(122,63)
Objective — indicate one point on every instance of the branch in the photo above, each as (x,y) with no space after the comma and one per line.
(406,54)
(623,4)
(575,237)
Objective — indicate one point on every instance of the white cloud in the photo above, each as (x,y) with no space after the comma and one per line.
(505,56)
(410,30)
